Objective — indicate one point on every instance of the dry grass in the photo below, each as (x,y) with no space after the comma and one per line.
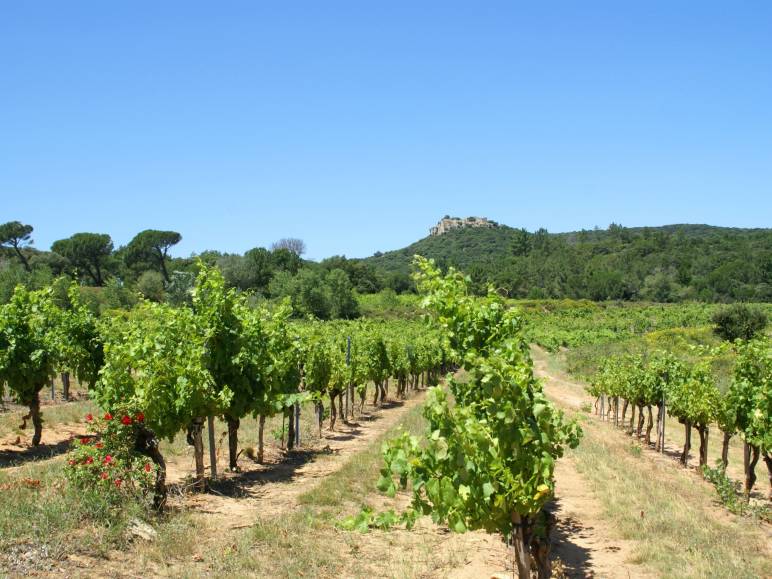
(679,528)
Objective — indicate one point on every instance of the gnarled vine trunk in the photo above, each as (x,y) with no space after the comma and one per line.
(768,462)
(233,441)
(195,437)
(649,425)
(333,411)
(750,458)
(520,545)
(660,440)
(146,444)
(37,418)
(541,545)
(687,442)
(376,392)
(66,386)
(704,432)
(320,415)
(725,449)
(641,419)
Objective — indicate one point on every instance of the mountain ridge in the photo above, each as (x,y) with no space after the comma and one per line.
(667,263)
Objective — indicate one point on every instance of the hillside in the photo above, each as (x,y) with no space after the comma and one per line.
(669,263)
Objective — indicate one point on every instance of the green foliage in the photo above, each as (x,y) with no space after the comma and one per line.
(489,455)
(114,295)
(315,293)
(80,344)
(343,304)
(368,519)
(729,493)
(253,271)
(555,324)
(151,247)
(179,290)
(739,322)
(694,398)
(750,394)
(30,342)
(13,274)
(16,236)
(151,285)
(88,253)
(155,361)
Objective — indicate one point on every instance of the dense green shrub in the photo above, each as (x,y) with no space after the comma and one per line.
(739,321)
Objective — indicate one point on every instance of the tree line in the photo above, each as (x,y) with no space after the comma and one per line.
(659,264)
(114,277)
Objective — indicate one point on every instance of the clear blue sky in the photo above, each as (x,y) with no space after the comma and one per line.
(356,125)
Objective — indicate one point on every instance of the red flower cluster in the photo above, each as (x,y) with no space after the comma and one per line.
(118,482)
(85,440)
(108,416)
(89,417)
(126,420)
(104,475)
(147,467)
(108,459)
(89,460)
(140,417)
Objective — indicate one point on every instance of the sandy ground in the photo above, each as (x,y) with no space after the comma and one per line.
(583,543)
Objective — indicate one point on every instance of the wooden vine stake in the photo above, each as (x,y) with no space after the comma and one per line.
(212,447)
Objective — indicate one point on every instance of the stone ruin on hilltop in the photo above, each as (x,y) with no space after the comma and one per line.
(447,223)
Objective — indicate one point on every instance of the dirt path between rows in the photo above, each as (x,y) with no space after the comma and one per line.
(17,450)
(273,488)
(583,544)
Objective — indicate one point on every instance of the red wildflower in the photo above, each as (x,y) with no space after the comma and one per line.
(118,482)
(140,417)
(147,467)
(89,459)
(104,475)
(125,420)
(85,440)
(100,445)
(108,416)
(108,459)
(71,462)
(89,417)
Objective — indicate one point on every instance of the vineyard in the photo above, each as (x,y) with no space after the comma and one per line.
(179,417)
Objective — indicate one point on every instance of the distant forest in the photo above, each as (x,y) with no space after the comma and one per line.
(660,264)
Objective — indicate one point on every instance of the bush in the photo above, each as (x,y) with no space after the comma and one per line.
(739,321)
(151,285)
(106,464)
